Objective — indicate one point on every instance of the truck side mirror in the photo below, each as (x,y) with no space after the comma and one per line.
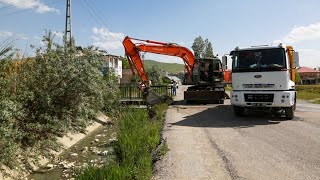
(296,59)
(224,62)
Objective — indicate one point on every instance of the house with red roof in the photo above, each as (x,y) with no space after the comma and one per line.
(309,75)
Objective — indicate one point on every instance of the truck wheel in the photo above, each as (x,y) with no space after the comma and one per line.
(289,112)
(238,111)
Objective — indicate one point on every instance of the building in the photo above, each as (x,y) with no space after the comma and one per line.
(174,78)
(113,64)
(309,75)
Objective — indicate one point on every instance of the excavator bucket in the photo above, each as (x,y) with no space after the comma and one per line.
(152,97)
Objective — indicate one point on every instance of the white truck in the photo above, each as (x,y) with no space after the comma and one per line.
(263,77)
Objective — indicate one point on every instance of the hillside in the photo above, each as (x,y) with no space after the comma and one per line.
(169,67)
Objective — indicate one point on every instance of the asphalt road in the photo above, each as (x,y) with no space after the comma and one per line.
(209,142)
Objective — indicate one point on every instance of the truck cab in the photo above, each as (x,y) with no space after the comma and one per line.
(263,78)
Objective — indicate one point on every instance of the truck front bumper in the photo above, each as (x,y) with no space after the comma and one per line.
(263,98)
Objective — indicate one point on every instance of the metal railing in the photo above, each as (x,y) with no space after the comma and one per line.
(132,93)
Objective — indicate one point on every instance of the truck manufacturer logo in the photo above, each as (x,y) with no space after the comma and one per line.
(257,76)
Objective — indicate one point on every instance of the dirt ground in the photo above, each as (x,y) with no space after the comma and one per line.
(209,142)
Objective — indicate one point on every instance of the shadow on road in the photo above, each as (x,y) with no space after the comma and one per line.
(222,116)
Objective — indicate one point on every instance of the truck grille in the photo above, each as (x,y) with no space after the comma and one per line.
(258,85)
(258,97)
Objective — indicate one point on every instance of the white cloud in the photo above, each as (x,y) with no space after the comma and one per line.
(302,38)
(309,57)
(22,36)
(6,34)
(37,5)
(301,33)
(58,34)
(105,39)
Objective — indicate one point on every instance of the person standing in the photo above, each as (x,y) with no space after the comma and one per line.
(174,88)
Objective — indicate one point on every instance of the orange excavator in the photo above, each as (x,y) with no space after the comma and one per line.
(205,74)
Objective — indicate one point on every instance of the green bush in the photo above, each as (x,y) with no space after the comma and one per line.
(49,95)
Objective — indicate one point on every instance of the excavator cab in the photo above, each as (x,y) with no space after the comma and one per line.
(207,78)
(208,71)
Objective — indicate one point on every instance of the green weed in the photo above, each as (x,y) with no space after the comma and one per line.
(137,138)
(308,92)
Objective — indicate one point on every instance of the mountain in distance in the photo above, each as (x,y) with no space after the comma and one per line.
(172,68)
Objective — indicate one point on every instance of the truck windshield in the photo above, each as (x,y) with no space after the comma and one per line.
(259,60)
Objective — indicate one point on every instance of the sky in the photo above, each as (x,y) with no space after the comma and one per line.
(226,23)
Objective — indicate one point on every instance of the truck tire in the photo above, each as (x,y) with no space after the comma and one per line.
(238,111)
(289,112)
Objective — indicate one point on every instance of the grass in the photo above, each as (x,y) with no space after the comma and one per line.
(138,137)
(309,92)
(317,101)
(172,68)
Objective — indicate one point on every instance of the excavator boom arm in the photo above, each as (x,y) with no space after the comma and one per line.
(133,50)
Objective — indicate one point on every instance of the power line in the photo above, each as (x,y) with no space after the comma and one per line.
(98,18)
(96,14)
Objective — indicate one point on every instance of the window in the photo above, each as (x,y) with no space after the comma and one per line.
(259,60)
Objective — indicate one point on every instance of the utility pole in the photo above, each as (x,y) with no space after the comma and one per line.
(68,28)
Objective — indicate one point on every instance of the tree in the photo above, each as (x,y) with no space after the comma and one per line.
(125,63)
(208,52)
(202,48)
(55,92)
(198,47)
(154,74)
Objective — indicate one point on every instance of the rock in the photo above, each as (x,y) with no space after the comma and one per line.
(95,150)
(74,154)
(65,175)
(96,140)
(84,149)
(69,165)
(104,153)
(112,140)
(85,165)
(49,166)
